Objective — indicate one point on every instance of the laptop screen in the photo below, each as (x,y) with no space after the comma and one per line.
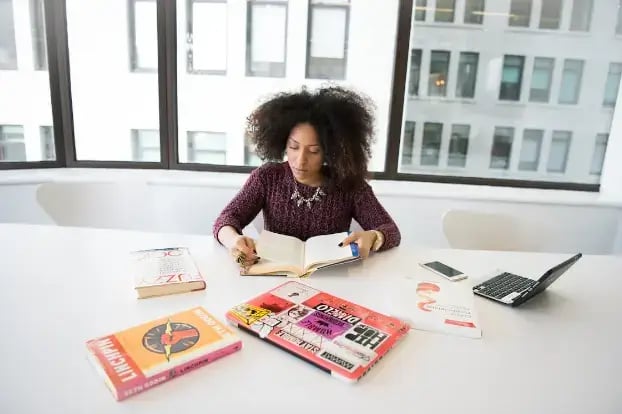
(552,274)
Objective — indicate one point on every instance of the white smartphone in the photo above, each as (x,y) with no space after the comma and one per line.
(442,269)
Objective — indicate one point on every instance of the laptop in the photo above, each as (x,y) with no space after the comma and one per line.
(514,290)
(341,338)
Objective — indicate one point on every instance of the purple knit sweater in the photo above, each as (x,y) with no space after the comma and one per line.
(270,187)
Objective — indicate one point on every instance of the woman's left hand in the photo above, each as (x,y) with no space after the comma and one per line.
(364,239)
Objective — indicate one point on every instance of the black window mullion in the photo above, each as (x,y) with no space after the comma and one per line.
(167,82)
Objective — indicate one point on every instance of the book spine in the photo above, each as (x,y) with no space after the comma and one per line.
(153,380)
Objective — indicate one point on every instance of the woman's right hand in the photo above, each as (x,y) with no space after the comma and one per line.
(244,252)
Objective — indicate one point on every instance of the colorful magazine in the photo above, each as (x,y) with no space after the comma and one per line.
(338,336)
(138,358)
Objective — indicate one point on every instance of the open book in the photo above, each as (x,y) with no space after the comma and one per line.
(289,256)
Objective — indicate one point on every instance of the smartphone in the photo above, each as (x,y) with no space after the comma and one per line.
(442,269)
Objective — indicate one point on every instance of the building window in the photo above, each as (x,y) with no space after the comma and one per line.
(458,146)
(327,46)
(550,15)
(8,55)
(444,11)
(12,145)
(467,74)
(420,9)
(541,79)
(613,84)
(206,36)
(600,147)
(511,78)
(39,46)
(207,147)
(266,39)
(530,150)
(520,13)
(571,81)
(501,148)
(474,11)
(415,71)
(408,143)
(146,145)
(48,151)
(558,154)
(581,15)
(619,25)
(439,69)
(143,25)
(250,156)
(431,144)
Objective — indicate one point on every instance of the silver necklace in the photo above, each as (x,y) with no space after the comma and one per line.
(300,199)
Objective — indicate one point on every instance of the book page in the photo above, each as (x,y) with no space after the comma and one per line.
(325,248)
(280,249)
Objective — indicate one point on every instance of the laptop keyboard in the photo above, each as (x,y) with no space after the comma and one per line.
(503,284)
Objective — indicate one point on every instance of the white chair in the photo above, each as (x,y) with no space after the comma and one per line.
(473,230)
(96,204)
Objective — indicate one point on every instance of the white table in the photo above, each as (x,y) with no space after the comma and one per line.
(560,352)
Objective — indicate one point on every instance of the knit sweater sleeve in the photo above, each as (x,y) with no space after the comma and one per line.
(370,214)
(245,206)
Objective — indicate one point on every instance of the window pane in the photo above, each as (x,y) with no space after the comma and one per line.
(37,31)
(420,10)
(501,148)
(207,37)
(207,147)
(431,144)
(8,55)
(619,24)
(47,143)
(266,39)
(558,155)
(600,147)
(327,43)
(511,78)
(444,11)
(415,69)
(530,149)
(613,84)
(467,74)
(12,145)
(520,13)
(111,96)
(458,146)
(541,79)
(145,145)
(439,68)
(550,14)
(581,15)
(571,81)
(474,11)
(408,143)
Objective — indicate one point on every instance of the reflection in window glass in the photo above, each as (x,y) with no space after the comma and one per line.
(467,74)
(420,9)
(431,144)
(439,69)
(415,72)
(511,78)
(12,145)
(558,154)
(541,79)
(571,81)
(530,150)
(145,145)
(206,37)
(8,55)
(600,147)
(613,84)
(501,148)
(143,35)
(266,39)
(581,15)
(207,147)
(458,146)
(550,15)
(444,11)
(328,41)
(408,143)
(520,13)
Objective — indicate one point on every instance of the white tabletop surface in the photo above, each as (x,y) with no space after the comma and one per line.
(559,353)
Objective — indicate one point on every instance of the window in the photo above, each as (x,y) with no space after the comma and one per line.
(467,74)
(520,13)
(439,68)
(501,148)
(600,147)
(619,24)
(541,79)
(431,144)
(250,157)
(206,36)
(571,81)
(266,39)
(581,15)
(558,154)
(458,145)
(444,11)
(39,46)
(415,69)
(328,42)
(474,11)
(12,145)
(8,55)
(408,143)
(420,9)
(145,145)
(530,149)
(550,14)
(511,78)
(613,84)
(48,151)
(207,147)
(143,35)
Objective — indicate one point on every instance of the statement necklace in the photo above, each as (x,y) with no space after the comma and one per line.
(300,200)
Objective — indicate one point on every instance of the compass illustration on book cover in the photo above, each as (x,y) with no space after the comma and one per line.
(170,338)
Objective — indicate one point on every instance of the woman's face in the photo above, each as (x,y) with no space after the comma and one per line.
(304,153)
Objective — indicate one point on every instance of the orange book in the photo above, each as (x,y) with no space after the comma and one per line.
(138,358)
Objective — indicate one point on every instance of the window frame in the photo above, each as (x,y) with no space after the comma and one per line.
(190,32)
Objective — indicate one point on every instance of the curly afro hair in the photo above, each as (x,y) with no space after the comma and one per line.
(343,120)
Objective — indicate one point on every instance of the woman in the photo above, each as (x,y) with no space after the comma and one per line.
(321,187)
